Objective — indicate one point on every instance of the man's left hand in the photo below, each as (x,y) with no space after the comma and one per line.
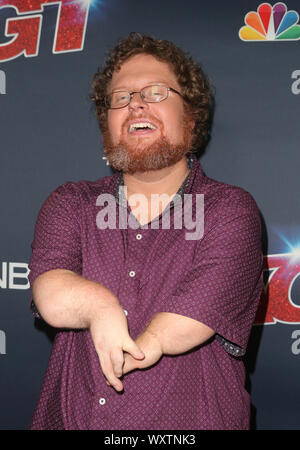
(167,334)
(151,347)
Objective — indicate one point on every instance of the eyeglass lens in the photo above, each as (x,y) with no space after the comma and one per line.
(151,94)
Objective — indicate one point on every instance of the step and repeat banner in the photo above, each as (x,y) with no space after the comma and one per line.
(49,51)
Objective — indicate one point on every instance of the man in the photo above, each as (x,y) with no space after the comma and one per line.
(153,321)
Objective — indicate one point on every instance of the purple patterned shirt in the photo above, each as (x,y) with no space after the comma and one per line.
(216,280)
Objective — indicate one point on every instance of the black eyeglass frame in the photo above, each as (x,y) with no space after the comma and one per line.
(131,94)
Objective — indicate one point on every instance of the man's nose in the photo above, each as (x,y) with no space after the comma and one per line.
(137,101)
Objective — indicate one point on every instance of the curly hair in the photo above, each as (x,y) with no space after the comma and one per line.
(195,87)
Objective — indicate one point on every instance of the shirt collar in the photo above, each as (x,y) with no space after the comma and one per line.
(120,195)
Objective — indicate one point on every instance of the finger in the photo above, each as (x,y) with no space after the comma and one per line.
(117,360)
(133,349)
(108,372)
(129,364)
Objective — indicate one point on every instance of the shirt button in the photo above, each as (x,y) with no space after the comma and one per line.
(102,401)
(132,273)
(139,236)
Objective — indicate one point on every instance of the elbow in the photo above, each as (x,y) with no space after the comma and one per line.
(45,297)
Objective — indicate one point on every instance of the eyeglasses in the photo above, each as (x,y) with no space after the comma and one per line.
(150,94)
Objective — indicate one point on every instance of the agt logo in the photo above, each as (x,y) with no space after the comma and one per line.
(276,303)
(271,24)
(24,28)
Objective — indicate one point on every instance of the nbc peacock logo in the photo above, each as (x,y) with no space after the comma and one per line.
(271,23)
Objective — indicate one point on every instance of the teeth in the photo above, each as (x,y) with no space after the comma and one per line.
(134,126)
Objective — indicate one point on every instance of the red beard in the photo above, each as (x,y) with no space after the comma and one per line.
(143,157)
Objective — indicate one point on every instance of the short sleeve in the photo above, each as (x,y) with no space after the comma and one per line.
(57,242)
(223,288)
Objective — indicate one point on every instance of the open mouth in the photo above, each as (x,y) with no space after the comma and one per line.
(141,127)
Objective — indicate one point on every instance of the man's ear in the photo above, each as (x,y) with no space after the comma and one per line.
(192,124)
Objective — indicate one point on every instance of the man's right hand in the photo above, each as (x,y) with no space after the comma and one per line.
(67,300)
(109,332)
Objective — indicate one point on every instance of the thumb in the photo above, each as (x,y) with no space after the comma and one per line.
(133,349)
(128,364)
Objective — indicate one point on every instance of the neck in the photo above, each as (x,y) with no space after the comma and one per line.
(162,181)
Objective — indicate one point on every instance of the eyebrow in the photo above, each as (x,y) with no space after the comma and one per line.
(151,83)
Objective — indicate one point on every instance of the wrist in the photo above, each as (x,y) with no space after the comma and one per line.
(156,335)
(101,301)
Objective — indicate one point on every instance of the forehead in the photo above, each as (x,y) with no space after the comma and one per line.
(140,70)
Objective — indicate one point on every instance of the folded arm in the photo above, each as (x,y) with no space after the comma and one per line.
(231,256)
(167,334)
(67,300)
